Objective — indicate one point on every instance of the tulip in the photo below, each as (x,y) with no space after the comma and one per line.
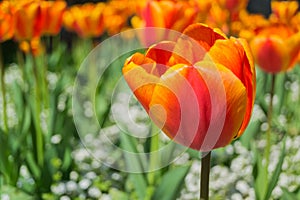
(52,12)
(27,20)
(283,11)
(116,15)
(166,14)
(33,46)
(233,5)
(6,21)
(86,20)
(275,48)
(163,14)
(201,94)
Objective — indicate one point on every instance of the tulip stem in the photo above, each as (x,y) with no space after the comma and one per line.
(204,181)
(37,135)
(3,91)
(269,118)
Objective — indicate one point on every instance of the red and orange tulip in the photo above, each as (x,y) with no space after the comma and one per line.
(27,20)
(233,6)
(6,21)
(179,85)
(116,15)
(275,48)
(33,46)
(283,11)
(166,14)
(86,20)
(52,13)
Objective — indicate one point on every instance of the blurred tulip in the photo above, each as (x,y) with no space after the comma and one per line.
(233,5)
(86,20)
(166,14)
(33,46)
(52,13)
(203,8)
(218,17)
(247,24)
(283,11)
(275,48)
(27,20)
(180,85)
(6,21)
(225,14)
(116,15)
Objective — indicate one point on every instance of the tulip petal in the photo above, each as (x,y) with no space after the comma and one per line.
(194,110)
(203,34)
(161,52)
(140,81)
(294,48)
(235,55)
(179,92)
(235,102)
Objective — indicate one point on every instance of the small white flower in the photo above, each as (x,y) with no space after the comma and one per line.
(236,196)
(74,175)
(5,197)
(91,175)
(71,186)
(84,183)
(58,189)
(65,198)
(105,197)
(56,139)
(94,192)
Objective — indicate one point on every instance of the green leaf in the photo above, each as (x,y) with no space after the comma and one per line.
(249,133)
(276,173)
(14,193)
(139,183)
(288,195)
(134,162)
(67,159)
(260,175)
(117,194)
(170,186)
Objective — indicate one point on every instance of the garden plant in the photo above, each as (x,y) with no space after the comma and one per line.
(149,100)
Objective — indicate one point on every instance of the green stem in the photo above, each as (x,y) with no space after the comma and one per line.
(3,91)
(205,169)
(154,155)
(269,121)
(38,137)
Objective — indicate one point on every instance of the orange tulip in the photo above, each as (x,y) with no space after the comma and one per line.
(33,46)
(199,93)
(275,48)
(283,11)
(6,21)
(247,24)
(27,20)
(116,15)
(86,20)
(232,6)
(52,12)
(166,14)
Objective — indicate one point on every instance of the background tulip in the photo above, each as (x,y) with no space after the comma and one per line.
(27,20)
(52,13)
(275,48)
(175,87)
(6,21)
(166,14)
(86,20)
